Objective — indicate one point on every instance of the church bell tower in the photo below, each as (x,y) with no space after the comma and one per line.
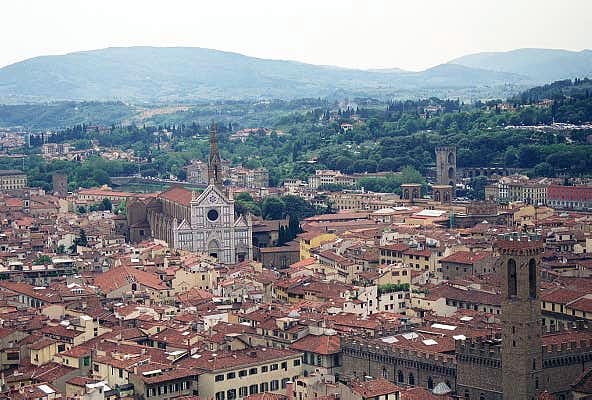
(519,258)
(215,163)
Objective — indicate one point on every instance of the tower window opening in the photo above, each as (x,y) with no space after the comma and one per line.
(532,279)
(512,285)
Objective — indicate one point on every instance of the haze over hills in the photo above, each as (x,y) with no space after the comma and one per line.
(540,65)
(173,74)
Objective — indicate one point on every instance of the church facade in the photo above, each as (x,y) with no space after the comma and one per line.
(213,229)
(199,222)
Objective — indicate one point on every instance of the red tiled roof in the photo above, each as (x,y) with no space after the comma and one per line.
(41,343)
(241,358)
(303,263)
(76,352)
(421,253)
(374,388)
(177,194)
(120,276)
(464,257)
(584,304)
(560,295)
(419,393)
(395,247)
(320,344)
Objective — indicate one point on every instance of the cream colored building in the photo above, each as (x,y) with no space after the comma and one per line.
(12,179)
(202,276)
(329,177)
(238,374)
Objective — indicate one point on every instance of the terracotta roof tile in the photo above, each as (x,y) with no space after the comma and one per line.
(320,344)
(177,194)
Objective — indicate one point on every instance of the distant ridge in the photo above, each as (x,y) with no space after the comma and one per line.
(164,74)
(539,65)
(161,74)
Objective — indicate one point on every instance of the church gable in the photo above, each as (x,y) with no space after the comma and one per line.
(240,222)
(184,225)
(211,196)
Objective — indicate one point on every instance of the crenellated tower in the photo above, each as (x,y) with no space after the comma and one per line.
(519,258)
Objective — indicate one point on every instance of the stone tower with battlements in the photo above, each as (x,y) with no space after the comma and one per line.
(519,262)
(446,166)
(60,184)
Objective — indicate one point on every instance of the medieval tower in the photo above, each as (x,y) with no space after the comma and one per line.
(446,166)
(519,258)
(60,184)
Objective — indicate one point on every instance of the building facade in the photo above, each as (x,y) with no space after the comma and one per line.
(12,179)
(570,197)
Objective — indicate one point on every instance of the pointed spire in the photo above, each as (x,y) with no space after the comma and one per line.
(215,163)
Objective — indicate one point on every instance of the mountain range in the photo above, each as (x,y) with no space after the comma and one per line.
(177,74)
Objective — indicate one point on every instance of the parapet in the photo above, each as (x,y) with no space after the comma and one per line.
(385,350)
(445,149)
(516,244)
(482,347)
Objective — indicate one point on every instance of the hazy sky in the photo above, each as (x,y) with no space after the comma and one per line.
(410,34)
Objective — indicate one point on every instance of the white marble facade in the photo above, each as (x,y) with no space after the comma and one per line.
(214,229)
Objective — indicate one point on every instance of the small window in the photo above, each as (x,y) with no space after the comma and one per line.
(296,362)
(253,371)
(254,389)
(219,378)
(231,375)
(242,373)
(264,368)
(274,367)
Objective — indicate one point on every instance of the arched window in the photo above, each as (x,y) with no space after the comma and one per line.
(437,196)
(482,396)
(384,373)
(512,285)
(451,158)
(450,172)
(467,395)
(430,383)
(532,279)
(400,377)
(411,380)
